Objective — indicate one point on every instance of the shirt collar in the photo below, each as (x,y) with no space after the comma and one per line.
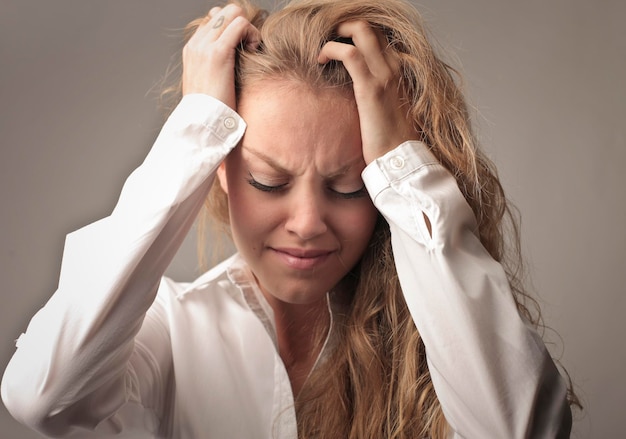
(240,275)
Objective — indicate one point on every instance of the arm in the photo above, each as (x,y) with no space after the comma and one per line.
(77,362)
(491,371)
(83,357)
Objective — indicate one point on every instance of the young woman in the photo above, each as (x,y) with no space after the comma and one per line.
(370,296)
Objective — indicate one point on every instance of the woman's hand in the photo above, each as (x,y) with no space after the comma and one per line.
(375,72)
(209,55)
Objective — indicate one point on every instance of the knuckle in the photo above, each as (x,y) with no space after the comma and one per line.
(352,53)
(222,51)
(234,9)
(361,26)
(192,46)
(189,49)
(239,21)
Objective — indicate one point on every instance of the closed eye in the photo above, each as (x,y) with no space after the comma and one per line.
(362,192)
(263,187)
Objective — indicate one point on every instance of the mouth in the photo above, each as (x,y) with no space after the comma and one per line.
(302,259)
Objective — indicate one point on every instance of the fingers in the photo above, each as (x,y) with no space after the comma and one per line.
(209,55)
(350,56)
(213,12)
(375,72)
(238,30)
(369,57)
(218,23)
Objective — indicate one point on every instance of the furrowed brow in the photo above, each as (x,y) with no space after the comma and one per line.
(267,159)
(343,170)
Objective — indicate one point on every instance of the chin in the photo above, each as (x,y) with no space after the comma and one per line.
(302,298)
(297,295)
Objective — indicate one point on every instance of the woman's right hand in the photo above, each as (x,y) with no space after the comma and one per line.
(209,55)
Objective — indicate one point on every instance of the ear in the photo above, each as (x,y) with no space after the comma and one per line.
(221,175)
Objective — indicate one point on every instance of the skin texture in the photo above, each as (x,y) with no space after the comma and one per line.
(209,60)
(209,55)
(375,75)
(299,213)
(290,217)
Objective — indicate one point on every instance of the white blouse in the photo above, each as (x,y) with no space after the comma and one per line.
(120,349)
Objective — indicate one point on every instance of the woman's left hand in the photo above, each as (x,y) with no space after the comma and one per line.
(375,72)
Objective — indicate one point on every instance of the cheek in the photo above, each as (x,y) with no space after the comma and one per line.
(240,209)
(251,220)
(358,224)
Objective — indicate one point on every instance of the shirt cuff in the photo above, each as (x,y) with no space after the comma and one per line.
(397,164)
(213,114)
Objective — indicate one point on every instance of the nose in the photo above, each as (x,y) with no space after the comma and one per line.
(306,217)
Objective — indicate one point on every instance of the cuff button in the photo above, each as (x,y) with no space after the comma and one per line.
(396,162)
(230,123)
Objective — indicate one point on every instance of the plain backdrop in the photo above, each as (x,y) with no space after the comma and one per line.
(79,82)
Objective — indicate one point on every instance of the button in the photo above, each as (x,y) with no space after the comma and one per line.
(396,162)
(230,123)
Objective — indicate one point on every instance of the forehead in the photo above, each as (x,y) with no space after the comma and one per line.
(297,125)
(268,97)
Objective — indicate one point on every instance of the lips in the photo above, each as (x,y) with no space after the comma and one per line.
(302,259)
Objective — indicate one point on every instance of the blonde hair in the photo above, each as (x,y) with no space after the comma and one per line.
(376,382)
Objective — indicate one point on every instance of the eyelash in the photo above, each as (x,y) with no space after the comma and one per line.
(350,195)
(264,188)
(273,189)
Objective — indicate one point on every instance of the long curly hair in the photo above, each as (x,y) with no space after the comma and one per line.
(376,383)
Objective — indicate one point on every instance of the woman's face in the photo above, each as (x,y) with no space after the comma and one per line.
(299,213)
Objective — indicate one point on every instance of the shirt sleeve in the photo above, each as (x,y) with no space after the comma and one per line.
(79,360)
(491,371)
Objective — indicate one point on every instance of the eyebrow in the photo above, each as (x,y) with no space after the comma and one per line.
(274,164)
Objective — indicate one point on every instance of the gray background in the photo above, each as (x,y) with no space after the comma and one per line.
(78,86)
